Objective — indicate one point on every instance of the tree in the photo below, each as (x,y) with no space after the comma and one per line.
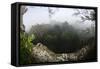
(23,10)
(51,12)
(85,14)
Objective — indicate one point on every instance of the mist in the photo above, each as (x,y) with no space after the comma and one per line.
(41,15)
(65,33)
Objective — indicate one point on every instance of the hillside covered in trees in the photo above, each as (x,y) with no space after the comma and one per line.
(58,41)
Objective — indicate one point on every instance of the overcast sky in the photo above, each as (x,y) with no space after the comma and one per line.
(38,15)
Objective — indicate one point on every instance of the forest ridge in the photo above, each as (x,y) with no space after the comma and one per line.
(57,42)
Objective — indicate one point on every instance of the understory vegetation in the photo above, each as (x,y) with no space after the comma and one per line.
(26,48)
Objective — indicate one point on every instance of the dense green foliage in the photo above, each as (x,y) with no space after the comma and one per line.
(26,48)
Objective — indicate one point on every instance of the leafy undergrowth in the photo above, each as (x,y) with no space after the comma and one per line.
(26,48)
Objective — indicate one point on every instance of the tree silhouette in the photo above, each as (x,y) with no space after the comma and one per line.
(23,10)
(85,14)
(52,11)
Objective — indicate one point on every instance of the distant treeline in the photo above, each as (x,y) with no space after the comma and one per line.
(62,37)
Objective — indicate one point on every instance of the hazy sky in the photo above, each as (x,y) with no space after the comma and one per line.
(38,15)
